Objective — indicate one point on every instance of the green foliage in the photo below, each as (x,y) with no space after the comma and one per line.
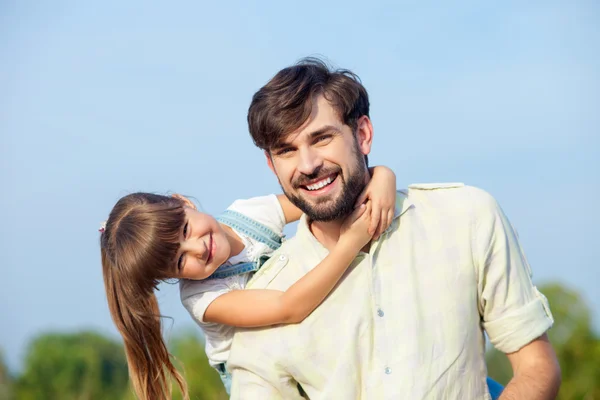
(498,366)
(577,347)
(80,366)
(86,365)
(5,380)
(203,381)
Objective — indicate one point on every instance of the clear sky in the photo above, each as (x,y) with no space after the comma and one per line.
(99,99)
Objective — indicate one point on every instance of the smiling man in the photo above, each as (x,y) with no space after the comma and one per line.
(408,318)
(326,182)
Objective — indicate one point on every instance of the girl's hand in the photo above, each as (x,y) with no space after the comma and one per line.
(381,191)
(355,229)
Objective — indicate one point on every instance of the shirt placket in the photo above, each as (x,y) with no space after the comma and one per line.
(383,372)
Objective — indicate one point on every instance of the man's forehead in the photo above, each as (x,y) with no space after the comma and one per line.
(322,118)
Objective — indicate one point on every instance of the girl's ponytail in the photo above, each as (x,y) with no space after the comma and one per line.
(128,259)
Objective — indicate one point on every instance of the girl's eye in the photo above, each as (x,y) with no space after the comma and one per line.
(185,229)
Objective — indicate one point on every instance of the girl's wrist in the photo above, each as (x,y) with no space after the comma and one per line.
(347,245)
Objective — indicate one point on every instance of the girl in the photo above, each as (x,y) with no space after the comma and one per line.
(150,238)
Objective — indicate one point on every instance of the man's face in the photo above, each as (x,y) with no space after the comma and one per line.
(321,166)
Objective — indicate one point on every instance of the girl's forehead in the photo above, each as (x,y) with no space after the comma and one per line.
(192,213)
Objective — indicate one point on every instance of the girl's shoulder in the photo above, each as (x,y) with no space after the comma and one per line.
(262,210)
(259,222)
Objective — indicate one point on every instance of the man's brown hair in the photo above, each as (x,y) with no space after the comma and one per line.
(285,102)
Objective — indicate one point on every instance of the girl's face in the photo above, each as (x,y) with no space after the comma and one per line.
(203,248)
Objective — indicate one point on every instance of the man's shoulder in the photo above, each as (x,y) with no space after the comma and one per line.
(436,186)
(289,251)
(453,197)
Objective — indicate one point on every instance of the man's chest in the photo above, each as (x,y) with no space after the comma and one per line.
(403,309)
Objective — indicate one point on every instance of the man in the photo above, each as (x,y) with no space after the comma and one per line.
(407,320)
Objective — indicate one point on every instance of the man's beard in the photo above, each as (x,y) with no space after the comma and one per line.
(326,210)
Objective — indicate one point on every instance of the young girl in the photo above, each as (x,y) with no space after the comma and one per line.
(149,238)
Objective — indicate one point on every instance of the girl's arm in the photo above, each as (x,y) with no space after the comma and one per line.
(290,211)
(263,307)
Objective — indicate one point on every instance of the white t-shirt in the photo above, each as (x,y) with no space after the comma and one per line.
(197,295)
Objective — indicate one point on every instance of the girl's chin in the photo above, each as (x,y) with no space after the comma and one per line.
(218,261)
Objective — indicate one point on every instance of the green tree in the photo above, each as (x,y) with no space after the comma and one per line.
(190,359)
(203,381)
(577,346)
(5,380)
(79,366)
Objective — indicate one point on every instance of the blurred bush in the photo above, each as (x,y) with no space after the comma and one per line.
(90,366)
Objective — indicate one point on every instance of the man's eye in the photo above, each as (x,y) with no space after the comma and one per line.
(284,151)
(323,138)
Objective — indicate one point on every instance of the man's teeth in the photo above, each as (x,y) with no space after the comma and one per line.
(319,184)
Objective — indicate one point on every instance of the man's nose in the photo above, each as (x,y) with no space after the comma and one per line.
(309,161)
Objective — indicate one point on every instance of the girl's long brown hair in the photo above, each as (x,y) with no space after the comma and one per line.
(139,246)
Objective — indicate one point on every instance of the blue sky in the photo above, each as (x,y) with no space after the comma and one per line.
(99,100)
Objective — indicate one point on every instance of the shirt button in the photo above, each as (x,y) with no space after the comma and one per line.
(380,312)
(282,257)
(388,370)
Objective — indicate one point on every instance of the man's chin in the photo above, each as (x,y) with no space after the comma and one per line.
(326,207)
(326,212)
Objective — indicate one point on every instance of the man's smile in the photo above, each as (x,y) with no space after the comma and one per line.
(322,185)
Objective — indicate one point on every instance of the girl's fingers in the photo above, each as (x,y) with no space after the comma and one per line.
(375,218)
(361,199)
(356,214)
(386,220)
(359,212)
(383,224)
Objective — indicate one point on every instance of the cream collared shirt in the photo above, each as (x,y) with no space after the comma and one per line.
(407,320)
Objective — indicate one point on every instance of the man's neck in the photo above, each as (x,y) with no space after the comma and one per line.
(327,233)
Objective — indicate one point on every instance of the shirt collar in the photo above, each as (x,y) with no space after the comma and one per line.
(403,204)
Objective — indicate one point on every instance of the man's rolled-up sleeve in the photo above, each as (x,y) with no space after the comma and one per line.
(513,311)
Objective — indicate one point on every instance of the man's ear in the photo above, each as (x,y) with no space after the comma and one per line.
(270,161)
(364,134)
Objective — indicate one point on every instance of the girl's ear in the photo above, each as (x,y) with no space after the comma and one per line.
(187,202)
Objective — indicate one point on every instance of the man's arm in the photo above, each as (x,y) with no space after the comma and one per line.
(514,313)
(536,373)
